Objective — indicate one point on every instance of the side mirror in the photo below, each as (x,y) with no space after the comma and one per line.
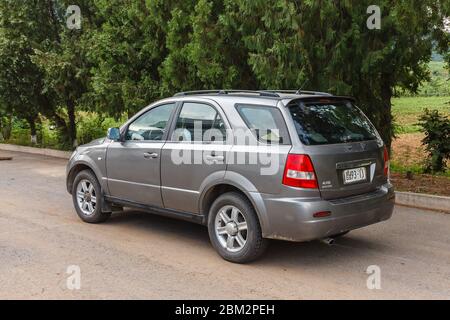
(113,134)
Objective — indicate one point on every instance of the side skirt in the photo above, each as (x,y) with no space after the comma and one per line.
(181,215)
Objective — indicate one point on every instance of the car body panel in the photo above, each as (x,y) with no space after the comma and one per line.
(93,156)
(292,218)
(331,160)
(181,182)
(132,176)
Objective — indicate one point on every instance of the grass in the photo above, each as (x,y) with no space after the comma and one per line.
(433,94)
(406,111)
(439,85)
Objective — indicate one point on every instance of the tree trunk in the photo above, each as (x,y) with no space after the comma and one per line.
(63,132)
(72,125)
(129,113)
(33,133)
(438,163)
(387,130)
(6,127)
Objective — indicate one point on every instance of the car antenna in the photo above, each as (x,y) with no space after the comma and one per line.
(299,91)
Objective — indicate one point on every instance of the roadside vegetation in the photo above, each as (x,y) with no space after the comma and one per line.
(410,164)
(90,126)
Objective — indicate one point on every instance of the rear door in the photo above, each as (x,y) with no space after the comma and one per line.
(346,150)
(195,152)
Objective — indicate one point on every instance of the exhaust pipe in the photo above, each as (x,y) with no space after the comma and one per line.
(327,241)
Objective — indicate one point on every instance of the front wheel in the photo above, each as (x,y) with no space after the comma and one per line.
(234,229)
(87,198)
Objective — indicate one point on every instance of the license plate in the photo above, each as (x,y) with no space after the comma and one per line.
(354,175)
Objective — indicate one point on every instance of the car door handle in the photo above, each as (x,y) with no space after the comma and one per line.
(149,155)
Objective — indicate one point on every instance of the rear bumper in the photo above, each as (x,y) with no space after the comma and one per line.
(292,218)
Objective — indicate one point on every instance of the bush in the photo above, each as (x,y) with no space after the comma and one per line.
(437,139)
(93,126)
(90,126)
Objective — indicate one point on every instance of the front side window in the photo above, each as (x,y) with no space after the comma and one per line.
(199,122)
(266,123)
(330,123)
(151,126)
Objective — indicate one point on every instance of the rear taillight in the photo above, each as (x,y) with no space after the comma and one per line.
(299,172)
(386,162)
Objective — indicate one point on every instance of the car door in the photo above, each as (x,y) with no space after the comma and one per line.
(133,165)
(195,152)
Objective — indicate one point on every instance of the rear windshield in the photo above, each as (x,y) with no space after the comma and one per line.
(330,123)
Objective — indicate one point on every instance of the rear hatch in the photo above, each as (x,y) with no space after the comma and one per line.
(345,148)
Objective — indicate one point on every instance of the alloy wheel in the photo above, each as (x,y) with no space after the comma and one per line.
(86,197)
(231,228)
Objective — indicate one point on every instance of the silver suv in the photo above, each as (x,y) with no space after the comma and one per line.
(250,165)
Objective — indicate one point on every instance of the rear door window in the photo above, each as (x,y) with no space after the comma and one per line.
(199,122)
(265,122)
(331,123)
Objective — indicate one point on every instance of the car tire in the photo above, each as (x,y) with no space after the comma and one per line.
(88,198)
(234,229)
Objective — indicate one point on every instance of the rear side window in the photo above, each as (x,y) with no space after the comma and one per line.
(265,122)
(331,123)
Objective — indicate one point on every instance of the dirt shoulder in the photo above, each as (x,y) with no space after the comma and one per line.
(422,183)
(408,154)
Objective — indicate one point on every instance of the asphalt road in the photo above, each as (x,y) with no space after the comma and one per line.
(140,255)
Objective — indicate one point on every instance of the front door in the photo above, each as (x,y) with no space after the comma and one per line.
(133,166)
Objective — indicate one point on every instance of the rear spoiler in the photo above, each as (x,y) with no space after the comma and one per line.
(320,99)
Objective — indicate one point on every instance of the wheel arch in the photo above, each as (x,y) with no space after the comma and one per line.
(213,192)
(77,168)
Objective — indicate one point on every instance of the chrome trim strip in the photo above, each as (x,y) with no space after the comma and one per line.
(181,190)
(135,183)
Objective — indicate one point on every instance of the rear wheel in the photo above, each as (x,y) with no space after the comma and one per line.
(234,229)
(87,198)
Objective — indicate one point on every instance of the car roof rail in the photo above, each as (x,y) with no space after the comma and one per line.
(299,92)
(262,93)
